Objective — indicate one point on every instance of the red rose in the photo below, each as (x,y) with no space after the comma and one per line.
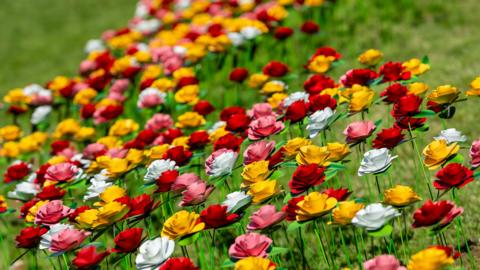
(59,146)
(88,258)
(30,237)
(77,212)
(215,30)
(184,81)
(135,144)
(453,175)
(111,112)
(198,139)
(275,69)
(16,172)
(131,71)
(309,27)
(125,200)
(229,111)
(433,106)
(291,208)
(216,216)
(98,82)
(408,105)
(178,264)
(17,109)
(439,213)
(67,91)
(296,111)
(305,177)
(146,83)
(449,251)
(361,76)
(340,194)
(87,111)
(51,193)
(393,71)
(228,141)
(388,138)
(171,134)
(276,158)
(147,136)
(320,102)
(394,92)
(166,180)
(203,107)
(238,74)
(179,154)
(283,32)
(238,122)
(317,83)
(26,207)
(128,240)
(141,205)
(327,51)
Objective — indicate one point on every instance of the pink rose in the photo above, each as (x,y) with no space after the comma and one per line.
(260,110)
(264,127)
(120,86)
(39,99)
(150,97)
(159,121)
(475,153)
(117,96)
(383,262)
(172,64)
(250,245)
(86,66)
(183,181)
(196,193)
(265,217)
(61,172)
(257,151)
(161,54)
(358,131)
(67,239)
(117,152)
(51,213)
(93,150)
(68,152)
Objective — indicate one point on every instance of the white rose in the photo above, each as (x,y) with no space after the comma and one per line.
(220,164)
(152,253)
(236,200)
(40,113)
(217,125)
(94,45)
(250,32)
(374,216)
(24,190)
(147,26)
(141,11)
(97,186)
(318,121)
(451,135)
(46,240)
(149,92)
(296,96)
(157,167)
(236,38)
(33,89)
(375,161)
(180,50)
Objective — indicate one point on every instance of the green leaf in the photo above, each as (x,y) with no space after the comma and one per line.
(476,175)
(425,59)
(382,232)
(227,263)
(458,158)
(287,197)
(424,113)
(277,251)
(295,226)
(277,174)
(189,239)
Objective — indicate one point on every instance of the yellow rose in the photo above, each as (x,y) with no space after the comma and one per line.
(437,152)
(84,96)
(432,258)
(157,152)
(32,212)
(314,205)
(276,99)
(123,127)
(181,224)
(110,141)
(254,263)
(190,120)
(417,88)
(338,151)
(400,196)
(255,172)
(188,94)
(142,56)
(444,94)
(292,147)
(10,133)
(181,141)
(10,150)
(278,12)
(85,133)
(312,154)
(370,57)
(111,212)
(3,203)
(361,100)
(112,193)
(163,84)
(195,52)
(474,87)
(151,72)
(263,190)
(345,212)
(59,83)
(313,3)
(257,80)
(87,219)
(56,160)
(135,156)
(67,127)
(217,134)
(32,142)
(16,96)
(415,66)
(273,87)
(183,72)
(321,64)
(114,166)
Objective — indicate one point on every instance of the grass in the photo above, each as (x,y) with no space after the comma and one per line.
(41,39)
